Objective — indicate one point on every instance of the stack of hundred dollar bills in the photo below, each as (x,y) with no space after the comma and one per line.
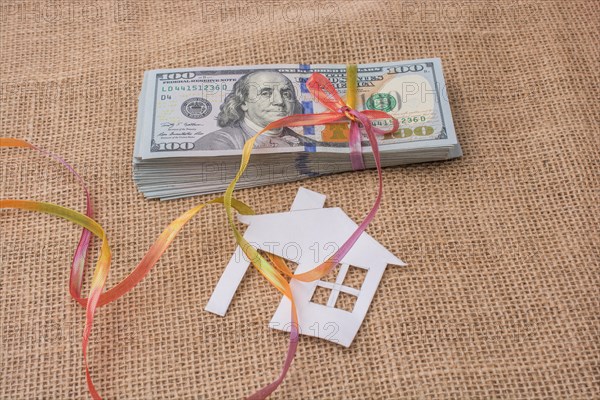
(192,124)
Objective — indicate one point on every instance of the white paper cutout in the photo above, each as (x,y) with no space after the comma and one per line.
(308,235)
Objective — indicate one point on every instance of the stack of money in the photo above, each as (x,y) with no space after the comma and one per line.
(192,124)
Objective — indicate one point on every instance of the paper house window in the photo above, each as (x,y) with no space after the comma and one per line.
(321,295)
(355,277)
(345,302)
(334,291)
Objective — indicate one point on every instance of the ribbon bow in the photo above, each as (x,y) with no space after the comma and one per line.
(324,92)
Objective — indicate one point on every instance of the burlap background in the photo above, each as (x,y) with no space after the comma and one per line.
(501,296)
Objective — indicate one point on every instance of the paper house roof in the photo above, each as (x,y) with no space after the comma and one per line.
(295,235)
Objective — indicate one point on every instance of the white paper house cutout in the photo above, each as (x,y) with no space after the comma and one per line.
(308,235)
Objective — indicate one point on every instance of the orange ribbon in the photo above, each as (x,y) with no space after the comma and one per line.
(324,92)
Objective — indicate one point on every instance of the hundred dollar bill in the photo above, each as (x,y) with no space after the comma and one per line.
(211,112)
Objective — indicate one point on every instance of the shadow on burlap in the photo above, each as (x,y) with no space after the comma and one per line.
(500,299)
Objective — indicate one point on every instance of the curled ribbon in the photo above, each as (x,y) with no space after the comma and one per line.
(324,92)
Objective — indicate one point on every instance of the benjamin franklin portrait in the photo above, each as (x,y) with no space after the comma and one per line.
(257,99)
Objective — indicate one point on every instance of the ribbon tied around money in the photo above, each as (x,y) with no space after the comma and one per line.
(274,271)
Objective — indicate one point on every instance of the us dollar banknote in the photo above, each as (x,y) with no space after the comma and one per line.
(193,123)
(196,112)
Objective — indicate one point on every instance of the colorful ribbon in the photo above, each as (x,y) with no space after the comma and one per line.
(324,92)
